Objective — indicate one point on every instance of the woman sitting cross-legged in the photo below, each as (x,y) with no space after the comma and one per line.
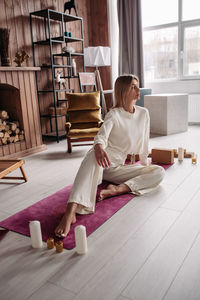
(125,131)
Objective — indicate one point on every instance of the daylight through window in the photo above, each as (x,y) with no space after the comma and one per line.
(171,39)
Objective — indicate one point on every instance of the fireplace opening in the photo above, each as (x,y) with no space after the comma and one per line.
(11,119)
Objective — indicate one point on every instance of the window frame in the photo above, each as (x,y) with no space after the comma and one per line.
(181,26)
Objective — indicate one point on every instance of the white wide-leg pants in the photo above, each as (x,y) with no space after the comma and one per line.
(140,179)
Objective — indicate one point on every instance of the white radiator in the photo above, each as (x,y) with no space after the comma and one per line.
(194,108)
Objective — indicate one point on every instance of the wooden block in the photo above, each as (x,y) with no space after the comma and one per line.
(175,152)
(137,157)
(188,154)
(131,159)
(59,110)
(162,156)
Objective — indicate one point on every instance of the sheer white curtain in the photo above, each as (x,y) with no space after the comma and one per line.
(114,34)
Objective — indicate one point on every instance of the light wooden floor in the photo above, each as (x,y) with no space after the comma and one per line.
(149,250)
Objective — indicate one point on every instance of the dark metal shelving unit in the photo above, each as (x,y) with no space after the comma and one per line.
(46,16)
(57,40)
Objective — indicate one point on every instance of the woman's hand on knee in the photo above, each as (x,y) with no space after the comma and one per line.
(101,156)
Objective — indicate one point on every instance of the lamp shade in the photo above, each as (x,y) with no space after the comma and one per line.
(97,56)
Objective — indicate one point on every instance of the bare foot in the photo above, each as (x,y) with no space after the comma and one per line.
(108,192)
(113,190)
(69,218)
(74,219)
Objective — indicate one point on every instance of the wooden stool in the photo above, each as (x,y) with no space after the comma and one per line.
(7,166)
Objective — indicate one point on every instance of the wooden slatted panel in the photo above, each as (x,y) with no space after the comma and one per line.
(6,151)
(1,151)
(26,30)
(18,17)
(31,124)
(17,147)
(24,109)
(24,81)
(9,78)
(40,59)
(99,35)
(23,145)
(15,80)
(3,23)
(15,15)
(11,25)
(36,118)
(11,148)
(2,77)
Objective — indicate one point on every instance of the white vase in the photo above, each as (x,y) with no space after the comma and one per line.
(74,67)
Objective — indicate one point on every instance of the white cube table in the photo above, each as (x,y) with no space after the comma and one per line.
(168,113)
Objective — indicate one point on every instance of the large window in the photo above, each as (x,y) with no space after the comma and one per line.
(171,39)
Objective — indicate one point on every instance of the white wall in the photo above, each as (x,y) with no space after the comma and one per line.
(191,87)
(176,86)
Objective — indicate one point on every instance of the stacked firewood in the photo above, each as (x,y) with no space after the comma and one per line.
(9,130)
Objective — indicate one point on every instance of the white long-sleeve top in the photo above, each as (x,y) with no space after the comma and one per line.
(125,133)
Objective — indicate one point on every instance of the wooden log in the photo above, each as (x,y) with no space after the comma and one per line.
(21,137)
(16,122)
(7,127)
(2,127)
(11,139)
(1,134)
(16,139)
(4,141)
(3,114)
(6,134)
(12,125)
(17,131)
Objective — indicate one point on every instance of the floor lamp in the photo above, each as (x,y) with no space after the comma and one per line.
(98,57)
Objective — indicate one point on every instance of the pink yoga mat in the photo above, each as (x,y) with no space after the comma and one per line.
(49,212)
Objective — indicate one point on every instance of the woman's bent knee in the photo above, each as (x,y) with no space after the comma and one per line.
(161,172)
(155,169)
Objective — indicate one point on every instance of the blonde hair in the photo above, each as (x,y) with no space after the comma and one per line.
(122,86)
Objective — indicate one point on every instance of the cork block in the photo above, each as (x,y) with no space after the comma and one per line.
(188,154)
(133,158)
(163,156)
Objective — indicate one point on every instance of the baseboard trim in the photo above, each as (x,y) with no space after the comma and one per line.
(26,152)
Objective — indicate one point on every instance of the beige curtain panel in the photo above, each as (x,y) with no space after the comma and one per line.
(130,38)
